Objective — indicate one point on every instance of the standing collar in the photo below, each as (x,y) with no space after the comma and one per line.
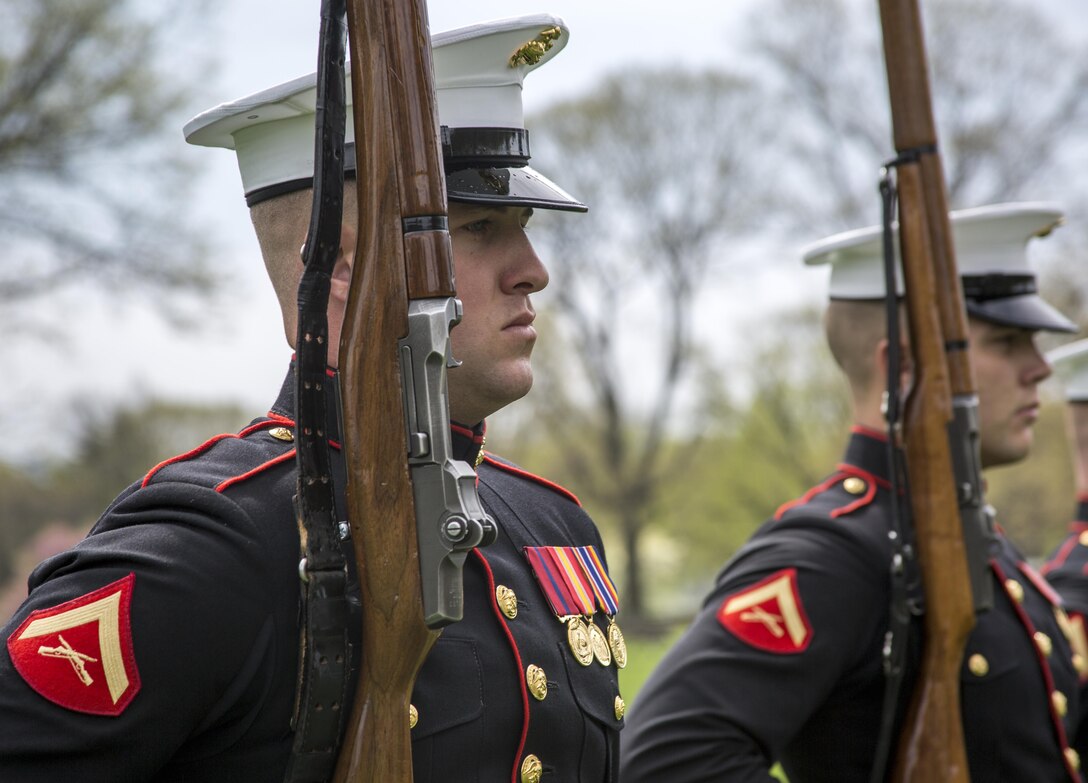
(867,449)
(468,442)
(1082,508)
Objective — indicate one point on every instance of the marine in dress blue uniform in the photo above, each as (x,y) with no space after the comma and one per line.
(1067,566)
(783,663)
(164,647)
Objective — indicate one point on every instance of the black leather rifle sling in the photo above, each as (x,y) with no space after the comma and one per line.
(324,651)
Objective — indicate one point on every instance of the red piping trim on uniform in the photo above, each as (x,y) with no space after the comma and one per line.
(860,429)
(532,477)
(291,423)
(805,498)
(1068,545)
(1040,584)
(261,425)
(845,470)
(187,455)
(329,371)
(228,483)
(517,657)
(871,483)
(466,432)
(1048,678)
(871,478)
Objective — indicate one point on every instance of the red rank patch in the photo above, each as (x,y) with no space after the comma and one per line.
(79,654)
(768,615)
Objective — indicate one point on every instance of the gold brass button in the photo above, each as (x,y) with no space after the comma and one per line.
(1015,590)
(282,433)
(1073,758)
(1080,664)
(1044,644)
(531,769)
(854,485)
(621,707)
(507,600)
(978,665)
(1082,539)
(1060,702)
(537,682)
(413,716)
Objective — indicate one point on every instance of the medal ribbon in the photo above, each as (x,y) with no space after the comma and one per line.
(551,582)
(599,579)
(577,581)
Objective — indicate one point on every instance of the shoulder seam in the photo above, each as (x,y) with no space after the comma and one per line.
(522,473)
(203,447)
(843,471)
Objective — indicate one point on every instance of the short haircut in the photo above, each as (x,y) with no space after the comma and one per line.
(854,328)
(281,224)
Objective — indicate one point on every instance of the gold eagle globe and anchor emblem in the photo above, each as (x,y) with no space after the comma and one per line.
(530,53)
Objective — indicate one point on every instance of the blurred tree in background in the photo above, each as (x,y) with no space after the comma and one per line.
(90,92)
(1009,122)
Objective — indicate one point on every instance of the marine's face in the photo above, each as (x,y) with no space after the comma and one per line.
(1008,369)
(496,270)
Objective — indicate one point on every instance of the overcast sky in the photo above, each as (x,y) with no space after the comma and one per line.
(261,44)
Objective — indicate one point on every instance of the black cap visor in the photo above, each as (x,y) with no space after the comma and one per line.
(519,186)
(1026,311)
(1011,300)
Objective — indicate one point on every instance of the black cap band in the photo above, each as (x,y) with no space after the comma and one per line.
(997,286)
(484,148)
(291,185)
(482,165)
(462,148)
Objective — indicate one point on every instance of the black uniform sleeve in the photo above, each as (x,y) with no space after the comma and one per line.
(200,626)
(717,708)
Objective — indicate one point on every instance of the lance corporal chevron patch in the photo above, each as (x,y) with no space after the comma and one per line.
(79,654)
(768,615)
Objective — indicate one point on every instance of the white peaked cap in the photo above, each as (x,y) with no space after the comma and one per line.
(1070,363)
(991,255)
(479,72)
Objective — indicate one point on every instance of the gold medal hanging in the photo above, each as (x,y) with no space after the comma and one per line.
(578,639)
(599,644)
(617,643)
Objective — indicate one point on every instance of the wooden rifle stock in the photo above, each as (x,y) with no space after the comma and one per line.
(400,176)
(931,746)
